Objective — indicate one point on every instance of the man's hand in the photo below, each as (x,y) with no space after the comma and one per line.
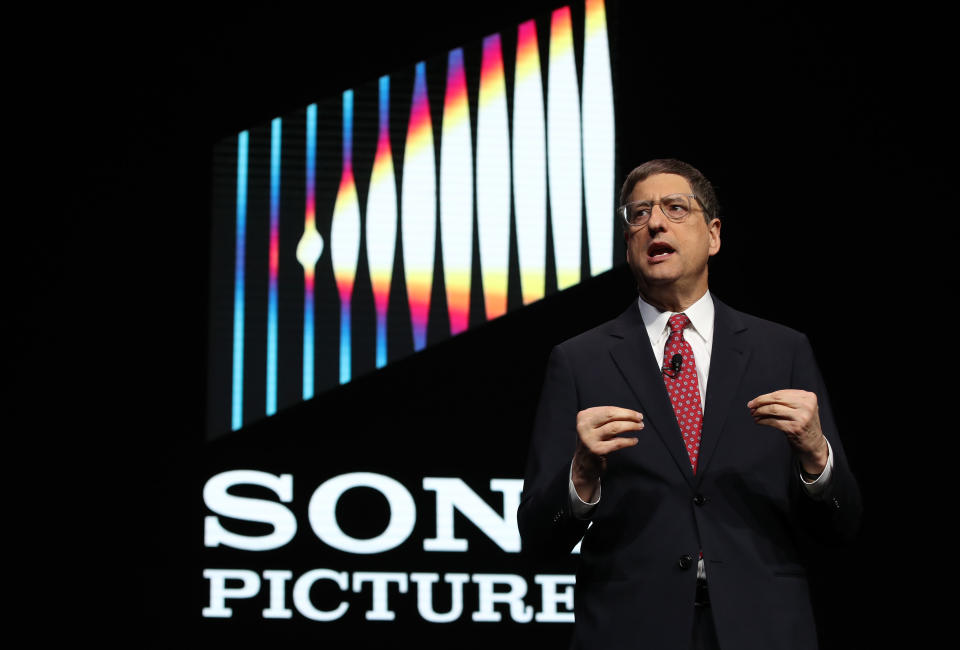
(795,412)
(598,432)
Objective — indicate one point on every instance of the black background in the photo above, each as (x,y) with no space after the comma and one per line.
(825,131)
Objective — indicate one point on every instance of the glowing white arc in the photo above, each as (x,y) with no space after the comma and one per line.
(530,171)
(598,138)
(345,238)
(381,223)
(456,194)
(493,179)
(418,209)
(563,151)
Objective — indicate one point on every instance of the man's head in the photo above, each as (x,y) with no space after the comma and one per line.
(702,188)
(669,250)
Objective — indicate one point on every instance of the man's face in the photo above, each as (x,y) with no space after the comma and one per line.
(664,254)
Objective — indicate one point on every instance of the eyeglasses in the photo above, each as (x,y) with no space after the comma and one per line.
(676,207)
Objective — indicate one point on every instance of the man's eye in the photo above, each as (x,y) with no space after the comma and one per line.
(675,207)
(641,213)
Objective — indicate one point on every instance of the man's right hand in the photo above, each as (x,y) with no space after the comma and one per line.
(599,430)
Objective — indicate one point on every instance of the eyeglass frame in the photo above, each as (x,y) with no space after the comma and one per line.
(621,210)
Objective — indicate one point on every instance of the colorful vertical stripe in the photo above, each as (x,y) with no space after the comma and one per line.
(598,138)
(382,221)
(274,265)
(239,288)
(563,150)
(530,165)
(418,211)
(456,194)
(345,237)
(309,249)
(546,152)
(493,178)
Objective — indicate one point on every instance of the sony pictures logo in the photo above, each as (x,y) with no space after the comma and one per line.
(492,593)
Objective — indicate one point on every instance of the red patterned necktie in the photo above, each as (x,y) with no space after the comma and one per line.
(680,378)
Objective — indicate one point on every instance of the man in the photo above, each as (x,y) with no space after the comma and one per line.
(691,446)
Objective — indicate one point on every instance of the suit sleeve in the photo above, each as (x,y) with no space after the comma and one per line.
(834,517)
(546,523)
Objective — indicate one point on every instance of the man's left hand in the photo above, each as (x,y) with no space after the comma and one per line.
(795,412)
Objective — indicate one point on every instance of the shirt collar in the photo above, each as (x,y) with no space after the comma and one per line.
(700,314)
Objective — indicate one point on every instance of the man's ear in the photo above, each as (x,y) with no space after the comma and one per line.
(714,229)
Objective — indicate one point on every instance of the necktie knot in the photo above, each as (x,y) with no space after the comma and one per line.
(677,324)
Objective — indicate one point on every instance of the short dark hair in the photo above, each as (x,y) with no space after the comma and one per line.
(698,183)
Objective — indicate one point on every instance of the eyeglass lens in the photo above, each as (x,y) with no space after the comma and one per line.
(675,206)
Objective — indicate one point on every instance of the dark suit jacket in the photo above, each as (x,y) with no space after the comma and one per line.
(745,508)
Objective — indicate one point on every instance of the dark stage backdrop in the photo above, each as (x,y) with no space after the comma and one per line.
(808,120)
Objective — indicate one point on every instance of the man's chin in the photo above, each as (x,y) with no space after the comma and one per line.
(655,277)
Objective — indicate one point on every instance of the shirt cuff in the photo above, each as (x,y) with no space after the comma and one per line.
(819,485)
(582,509)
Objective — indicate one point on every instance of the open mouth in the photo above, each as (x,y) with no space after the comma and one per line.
(659,250)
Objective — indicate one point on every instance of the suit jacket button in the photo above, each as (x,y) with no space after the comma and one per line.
(685,562)
(699,499)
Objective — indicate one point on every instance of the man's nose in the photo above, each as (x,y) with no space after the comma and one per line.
(658,218)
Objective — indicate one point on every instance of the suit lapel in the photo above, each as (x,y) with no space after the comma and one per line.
(728,360)
(633,356)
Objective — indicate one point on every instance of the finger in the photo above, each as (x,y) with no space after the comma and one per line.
(610,431)
(779,411)
(606,447)
(788,397)
(599,415)
(616,413)
(613,429)
(768,398)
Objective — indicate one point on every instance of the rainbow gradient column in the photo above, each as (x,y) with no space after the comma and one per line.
(274,265)
(345,236)
(563,150)
(382,222)
(456,194)
(598,138)
(309,249)
(239,283)
(493,178)
(418,208)
(530,165)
